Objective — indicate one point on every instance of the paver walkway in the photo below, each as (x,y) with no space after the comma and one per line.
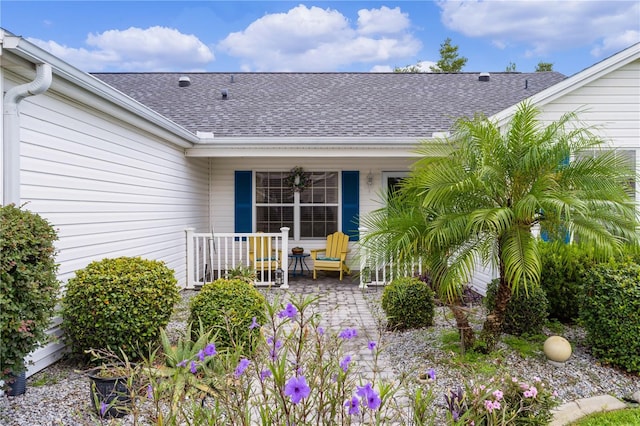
(342,305)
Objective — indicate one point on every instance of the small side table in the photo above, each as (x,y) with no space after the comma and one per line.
(299,260)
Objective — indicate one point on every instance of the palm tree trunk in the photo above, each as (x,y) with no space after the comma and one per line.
(492,327)
(461,314)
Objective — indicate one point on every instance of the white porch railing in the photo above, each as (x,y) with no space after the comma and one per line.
(381,270)
(212,256)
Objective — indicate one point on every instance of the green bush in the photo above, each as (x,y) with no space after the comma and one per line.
(28,285)
(526,313)
(408,303)
(610,313)
(227,307)
(563,269)
(118,303)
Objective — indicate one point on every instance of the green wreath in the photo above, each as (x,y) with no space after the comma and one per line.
(298,179)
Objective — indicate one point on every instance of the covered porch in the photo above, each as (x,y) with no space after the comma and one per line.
(216,255)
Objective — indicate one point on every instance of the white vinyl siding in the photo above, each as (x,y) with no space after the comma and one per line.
(108,188)
(611,103)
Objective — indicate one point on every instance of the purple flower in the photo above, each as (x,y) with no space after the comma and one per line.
(371,345)
(265,374)
(297,389)
(488,405)
(372,398)
(348,333)
(290,312)
(344,364)
(194,367)
(210,349)
(431,373)
(201,355)
(254,323)
(353,405)
(373,401)
(182,363)
(149,391)
(321,331)
(103,408)
(242,365)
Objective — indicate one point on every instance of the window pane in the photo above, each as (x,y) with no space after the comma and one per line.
(317,203)
(318,221)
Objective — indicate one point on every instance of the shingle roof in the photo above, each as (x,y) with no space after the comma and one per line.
(326,104)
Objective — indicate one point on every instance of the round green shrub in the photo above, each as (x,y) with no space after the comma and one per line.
(526,313)
(610,313)
(227,307)
(408,303)
(28,285)
(561,277)
(117,304)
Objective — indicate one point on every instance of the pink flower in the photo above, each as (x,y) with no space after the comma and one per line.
(498,395)
(496,405)
(531,393)
(488,405)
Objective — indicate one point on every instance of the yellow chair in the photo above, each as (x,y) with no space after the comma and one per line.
(262,254)
(334,255)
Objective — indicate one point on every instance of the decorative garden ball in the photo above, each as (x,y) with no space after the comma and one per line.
(557,349)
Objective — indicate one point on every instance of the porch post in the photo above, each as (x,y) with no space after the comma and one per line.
(364,256)
(285,254)
(190,257)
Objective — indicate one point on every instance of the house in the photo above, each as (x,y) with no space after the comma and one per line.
(123,163)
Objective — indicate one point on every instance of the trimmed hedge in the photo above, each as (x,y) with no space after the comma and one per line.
(28,285)
(227,307)
(561,278)
(408,303)
(526,313)
(610,313)
(118,303)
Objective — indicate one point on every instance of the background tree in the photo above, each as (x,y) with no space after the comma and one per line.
(511,67)
(544,66)
(408,69)
(481,191)
(449,61)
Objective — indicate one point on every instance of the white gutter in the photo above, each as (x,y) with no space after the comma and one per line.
(11,131)
(359,146)
(147,119)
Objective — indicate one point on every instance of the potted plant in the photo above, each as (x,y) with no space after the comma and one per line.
(110,383)
(297,250)
(29,289)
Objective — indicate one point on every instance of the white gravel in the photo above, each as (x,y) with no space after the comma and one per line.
(59,395)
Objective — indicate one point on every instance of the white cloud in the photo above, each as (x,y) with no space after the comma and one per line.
(616,43)
(316,39)
(135,49)
(382,21)
(381,68)
(546,26)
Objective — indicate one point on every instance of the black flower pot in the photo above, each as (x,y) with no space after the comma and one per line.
(17,384)
(110,395)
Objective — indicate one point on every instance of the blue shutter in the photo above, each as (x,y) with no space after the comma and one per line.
(242,210)
(351,203)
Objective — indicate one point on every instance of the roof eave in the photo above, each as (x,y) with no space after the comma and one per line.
(177,134)
(328,147)
(574,82)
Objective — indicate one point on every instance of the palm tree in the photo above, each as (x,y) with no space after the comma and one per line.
(483,191)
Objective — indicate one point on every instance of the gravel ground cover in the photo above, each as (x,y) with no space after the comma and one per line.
(59,395)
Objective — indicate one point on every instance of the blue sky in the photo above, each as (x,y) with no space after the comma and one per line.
(320,36)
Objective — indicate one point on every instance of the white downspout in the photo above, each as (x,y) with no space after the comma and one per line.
(11,131)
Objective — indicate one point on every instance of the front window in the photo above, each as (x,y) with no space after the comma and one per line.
(311,213)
